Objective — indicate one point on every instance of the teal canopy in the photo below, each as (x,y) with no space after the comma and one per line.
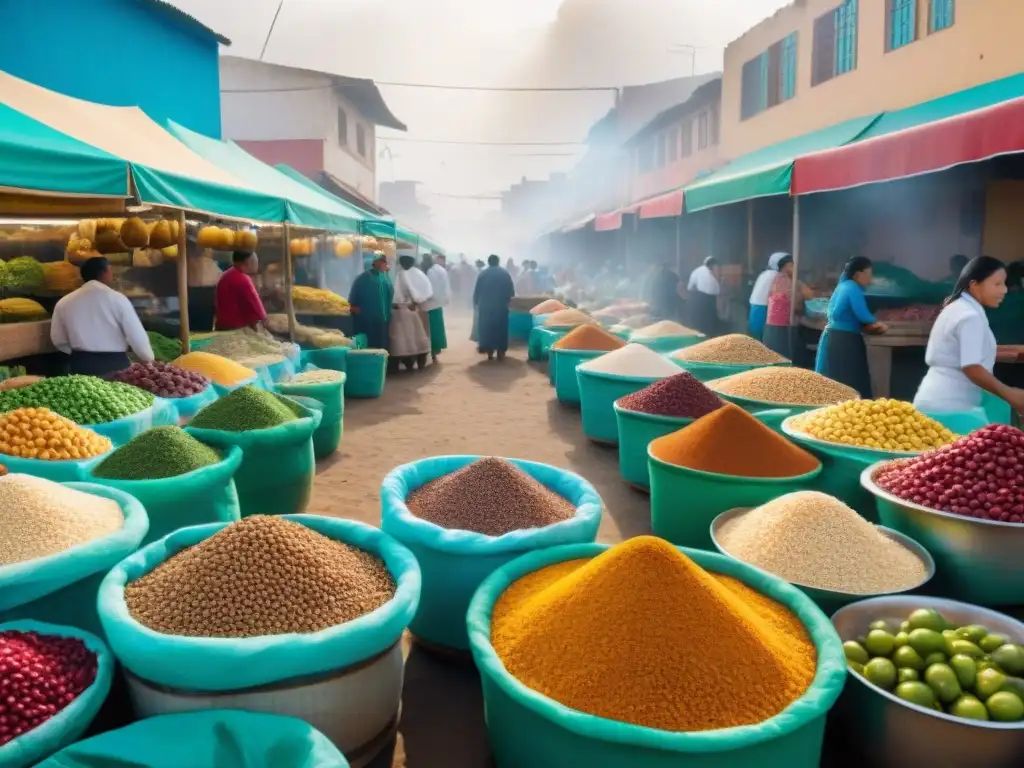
(768,171)
(301,205)
(366,219)
(37,158)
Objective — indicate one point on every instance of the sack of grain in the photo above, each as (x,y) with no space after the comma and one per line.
(72,549)
(454,561)
(345,680)
(66,726)
(158,743)
(327,388)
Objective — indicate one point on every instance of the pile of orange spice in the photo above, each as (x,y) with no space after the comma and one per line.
(643,635)
(589,338)
(730,441)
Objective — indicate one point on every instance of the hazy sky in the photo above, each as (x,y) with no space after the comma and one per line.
(564,43)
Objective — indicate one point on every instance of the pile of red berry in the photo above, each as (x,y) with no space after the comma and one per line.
(980,475)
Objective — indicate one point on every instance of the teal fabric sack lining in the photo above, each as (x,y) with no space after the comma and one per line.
(455,562)
(333,358)
(365,375)
(206,495)
(331,399)
(70,723)
(217,738)
(24,583)
(256,381)
(278,465)
(120,431)
(561,736)
(187,407)
(64,471)
(229,664)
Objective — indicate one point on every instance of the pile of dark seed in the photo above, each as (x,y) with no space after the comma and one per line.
(490,496)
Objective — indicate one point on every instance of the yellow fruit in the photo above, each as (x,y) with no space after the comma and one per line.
(160,235)
(343,249)
(134,233)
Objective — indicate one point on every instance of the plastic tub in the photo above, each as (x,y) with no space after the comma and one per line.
(345,680)
(455,562)
(332,358)
(830,600)
(329,398)
(563,362)
(519,326)
(527,728)
(598,393)
(68,725)
(365,375)
(636,431)
(62,588)
(961,422)
(549,336)
(534,344)
(670,343)
(712,371)
(684,501)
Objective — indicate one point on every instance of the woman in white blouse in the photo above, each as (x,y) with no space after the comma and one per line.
(961,350)
(703,288)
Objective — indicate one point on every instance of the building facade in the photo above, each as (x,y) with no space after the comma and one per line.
(816,63)
(400,198)
(124,53)
(323,125)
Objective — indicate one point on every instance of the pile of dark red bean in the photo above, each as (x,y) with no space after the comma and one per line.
(681,396)
(163,379)
(39,676)
(980,475)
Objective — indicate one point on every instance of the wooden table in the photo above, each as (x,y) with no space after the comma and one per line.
(25,339)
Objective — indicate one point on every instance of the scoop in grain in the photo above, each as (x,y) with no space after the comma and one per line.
(491,496)
(815,540)
(260,576)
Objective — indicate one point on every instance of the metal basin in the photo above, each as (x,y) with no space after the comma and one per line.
(829,600)
(896,733)
(978,561)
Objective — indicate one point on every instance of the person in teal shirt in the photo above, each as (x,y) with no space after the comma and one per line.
(371,297)
(842,354)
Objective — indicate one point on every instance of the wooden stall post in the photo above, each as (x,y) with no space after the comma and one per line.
(750,236)
(796,260)
(289,307)
(679,245)
(183,326)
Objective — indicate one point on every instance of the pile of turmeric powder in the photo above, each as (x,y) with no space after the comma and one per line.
(643,635)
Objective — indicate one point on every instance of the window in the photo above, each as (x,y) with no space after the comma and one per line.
(788,68)
(834,49)
(942,16)
(702,130)
(672,138)
(769,79)
(342,128)
(686,143)
(846,37)
(900,23)
(360,140)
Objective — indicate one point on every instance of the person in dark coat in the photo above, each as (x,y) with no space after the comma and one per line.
(491,297)
(371,297)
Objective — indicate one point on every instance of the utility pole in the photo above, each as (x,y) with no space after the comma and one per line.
(690,49)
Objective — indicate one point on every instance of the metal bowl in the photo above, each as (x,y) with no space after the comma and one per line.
(979,561)
(896,733)
(829,600)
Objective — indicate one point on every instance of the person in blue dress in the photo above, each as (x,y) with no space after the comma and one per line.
(842,354)
(491,296)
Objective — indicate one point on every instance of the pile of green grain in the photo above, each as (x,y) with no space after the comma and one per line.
(246,409)
(157,453)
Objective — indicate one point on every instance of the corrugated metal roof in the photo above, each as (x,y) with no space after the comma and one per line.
(180,15)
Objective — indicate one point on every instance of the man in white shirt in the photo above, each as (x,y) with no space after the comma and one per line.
(96,326)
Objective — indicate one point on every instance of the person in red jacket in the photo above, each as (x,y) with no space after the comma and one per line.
(237,303)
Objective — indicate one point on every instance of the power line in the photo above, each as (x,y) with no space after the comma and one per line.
(484,143)
(440,87)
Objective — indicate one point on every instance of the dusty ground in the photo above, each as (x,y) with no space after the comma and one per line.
(463,405)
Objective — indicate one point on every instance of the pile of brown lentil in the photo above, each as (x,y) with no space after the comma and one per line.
(733,348)
(260,576)
(491,496)
(784,385)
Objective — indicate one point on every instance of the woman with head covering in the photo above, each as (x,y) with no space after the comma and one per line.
(842,354)
(703,289)
(370,298)
(409,340)
(759,295)
(961,350)
(779,334)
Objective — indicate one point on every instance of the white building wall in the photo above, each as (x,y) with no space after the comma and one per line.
(344,162)
(256,105)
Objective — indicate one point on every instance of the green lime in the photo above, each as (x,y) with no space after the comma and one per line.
(927,618)
(965,647)
(855,652)
(1010,658)
(969,708)
(855,667)
(880,624)
(1014,685)
(966,670)
(906,675)
(986,663)
(881,672)
(916,692)
(905,626)
(880,643)
(990,642)
(926,641)
(935,658)
(908,657)
(973,632)
(901,639)
(1005,707)
(989,682)
(942,679)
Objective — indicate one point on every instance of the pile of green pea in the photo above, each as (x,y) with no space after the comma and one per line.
(964,671)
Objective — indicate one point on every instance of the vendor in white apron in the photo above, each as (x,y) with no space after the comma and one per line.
(961,349)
